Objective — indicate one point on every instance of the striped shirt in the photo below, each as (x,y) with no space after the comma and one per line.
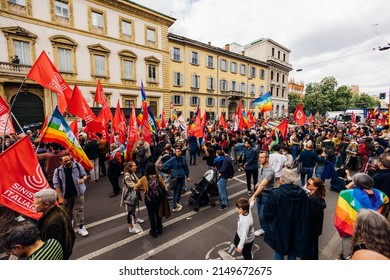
(50,250)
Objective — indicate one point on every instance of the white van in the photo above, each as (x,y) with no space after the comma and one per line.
(360,115)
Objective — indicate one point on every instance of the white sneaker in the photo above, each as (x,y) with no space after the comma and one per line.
(83,231)
(20,218)
(180,206)
(177,209)
(134,230)
(259,232)
(139,221)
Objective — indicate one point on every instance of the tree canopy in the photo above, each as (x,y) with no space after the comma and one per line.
(326,96)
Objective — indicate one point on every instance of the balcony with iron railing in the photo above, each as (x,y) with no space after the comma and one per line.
(235,94)
(14,70)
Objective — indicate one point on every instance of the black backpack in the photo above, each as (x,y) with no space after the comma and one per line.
(230,169)
(154,191)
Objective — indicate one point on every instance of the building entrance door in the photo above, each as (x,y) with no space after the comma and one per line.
(28,109)
(232,109)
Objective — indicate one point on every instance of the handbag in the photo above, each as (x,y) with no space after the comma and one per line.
(300,167)
(130,197)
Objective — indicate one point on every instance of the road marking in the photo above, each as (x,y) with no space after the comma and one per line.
(120,215)
(330,251)
(143,233)
(185,236)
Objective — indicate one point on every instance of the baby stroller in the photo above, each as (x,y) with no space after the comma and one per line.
(203,191)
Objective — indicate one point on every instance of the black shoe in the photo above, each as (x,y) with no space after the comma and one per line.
(153,234)
(114,195)
(222,207)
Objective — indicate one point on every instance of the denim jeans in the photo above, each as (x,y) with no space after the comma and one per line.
(177,186)
(306,171)
(255,174)
(319,171)
(279,256)
(193,157)
(260,202)
(223,191)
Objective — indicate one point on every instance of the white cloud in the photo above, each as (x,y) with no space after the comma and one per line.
(326,37)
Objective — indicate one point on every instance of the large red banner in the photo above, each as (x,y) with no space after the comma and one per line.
(21,178)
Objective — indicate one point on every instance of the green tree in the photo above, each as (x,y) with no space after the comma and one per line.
(293,100)
(364,101)
(316,102)
(343,99)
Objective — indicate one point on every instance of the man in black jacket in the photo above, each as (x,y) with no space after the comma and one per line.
(286,214)
(54,222)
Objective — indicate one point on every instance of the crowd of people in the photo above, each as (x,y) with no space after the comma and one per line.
(290,210)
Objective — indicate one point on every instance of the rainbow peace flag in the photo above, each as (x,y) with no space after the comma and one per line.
(349,203)
(58,131)
(264,102)
(174,114)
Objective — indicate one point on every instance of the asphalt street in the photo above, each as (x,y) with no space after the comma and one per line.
(187,235)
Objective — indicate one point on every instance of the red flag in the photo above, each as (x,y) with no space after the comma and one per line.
(265,121)
(103,122)
(250,118)
(80,108)
(100,98)
(203,124)
(145,123)
(4,108)
(74,127)
(42,131)
(132,135)
(299,115)
(24,178)
(45,74)
(283,128)
(3,121)
(221,121)
(240,117)
(119,123)
(353,119)
(163,120)
(198,129)
(311,119)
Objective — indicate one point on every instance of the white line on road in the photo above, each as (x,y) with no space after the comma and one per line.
(137,236)
(102,221)
(184,236)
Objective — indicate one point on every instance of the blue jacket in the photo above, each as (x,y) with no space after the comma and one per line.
(193,144)
(78,172)
(251,159)
(239,149)
(178,165)
(224,167)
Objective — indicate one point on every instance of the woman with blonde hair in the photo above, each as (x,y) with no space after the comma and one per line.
(371,238)
(129,180)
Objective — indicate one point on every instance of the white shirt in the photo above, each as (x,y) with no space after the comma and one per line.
(277,161)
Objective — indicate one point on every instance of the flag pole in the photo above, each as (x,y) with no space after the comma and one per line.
(10,108)
(17,122)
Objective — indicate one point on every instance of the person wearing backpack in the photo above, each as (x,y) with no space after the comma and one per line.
(179,171)
(223,176)
(153,187)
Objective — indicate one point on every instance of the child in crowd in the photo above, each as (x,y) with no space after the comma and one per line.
(245,234)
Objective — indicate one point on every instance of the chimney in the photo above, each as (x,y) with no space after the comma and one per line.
(227,47)
(243,52)
(209,43)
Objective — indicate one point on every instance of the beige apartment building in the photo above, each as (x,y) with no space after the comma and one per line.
(117,42)
(215,79)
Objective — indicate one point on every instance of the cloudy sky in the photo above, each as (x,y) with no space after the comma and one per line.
(326,37)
